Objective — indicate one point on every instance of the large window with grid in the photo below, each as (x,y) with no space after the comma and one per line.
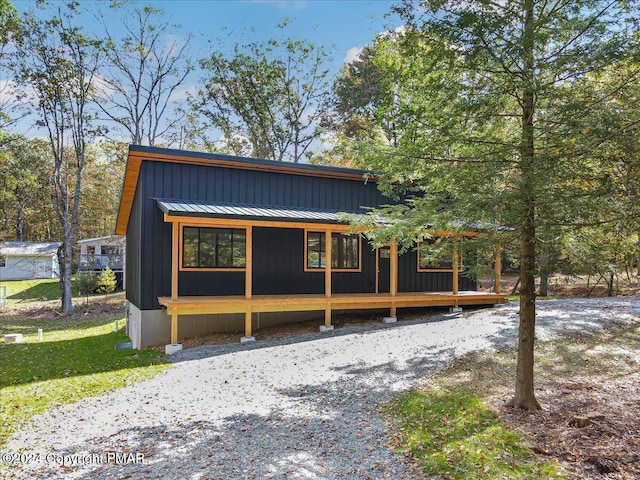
(345,251)
(213,248)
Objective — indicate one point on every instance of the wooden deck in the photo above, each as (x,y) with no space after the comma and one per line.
(194,305)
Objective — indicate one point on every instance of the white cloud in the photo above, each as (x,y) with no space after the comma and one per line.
(352,54)
(182,94)
(103,88)
(401,30)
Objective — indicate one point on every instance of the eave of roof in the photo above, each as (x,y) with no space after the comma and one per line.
(138,153)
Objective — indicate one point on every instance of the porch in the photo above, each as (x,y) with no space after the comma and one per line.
(384,290)
(238,304)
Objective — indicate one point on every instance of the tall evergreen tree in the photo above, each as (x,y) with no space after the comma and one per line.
(494,131)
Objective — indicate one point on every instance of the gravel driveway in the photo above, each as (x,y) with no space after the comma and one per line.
(302,407)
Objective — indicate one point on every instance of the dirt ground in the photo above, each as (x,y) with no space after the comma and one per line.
(590,391)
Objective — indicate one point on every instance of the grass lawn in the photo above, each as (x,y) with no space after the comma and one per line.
(31,290)
(456,427)
(75,359)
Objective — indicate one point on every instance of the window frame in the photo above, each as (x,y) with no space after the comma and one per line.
(420,268)
(3,261)
(307,268)
(182,268)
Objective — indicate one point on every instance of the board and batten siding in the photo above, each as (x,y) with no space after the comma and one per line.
(221,184)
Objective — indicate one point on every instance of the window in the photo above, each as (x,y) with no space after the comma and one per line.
(434,255)
(3,261)
(345,251)
(213,247)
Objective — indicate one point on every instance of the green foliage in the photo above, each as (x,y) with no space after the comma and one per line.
(106,281)
(266,97)
(58,63)
(453,434)
(86,282)
(24,174)
(75,360)
(497,103)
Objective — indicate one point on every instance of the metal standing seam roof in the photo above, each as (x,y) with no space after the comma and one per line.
(255,212)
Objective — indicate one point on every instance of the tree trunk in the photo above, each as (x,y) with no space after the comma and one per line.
(524,396)
(64,259)
(544,270)
(610,285)
(20,224)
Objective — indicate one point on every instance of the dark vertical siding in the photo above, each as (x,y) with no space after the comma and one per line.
(357,282)
(278,263)
(410,280)
(278,253)
(211,283)
(133,252)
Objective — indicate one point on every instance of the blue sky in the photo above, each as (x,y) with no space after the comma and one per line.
(347,24)
(344,25)
(341,26)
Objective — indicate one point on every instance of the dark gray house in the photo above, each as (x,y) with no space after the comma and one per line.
(221,243)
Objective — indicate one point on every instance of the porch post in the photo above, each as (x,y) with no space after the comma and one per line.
(174,326)
(248,276)
(498,287)
(393,280)
(327,264)
(455,267)
(174,346)
(248,273)
(327,282)
(175,248)
(393,270)
(173,311)
(247,323)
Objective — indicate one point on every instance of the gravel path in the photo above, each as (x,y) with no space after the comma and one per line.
(302,407)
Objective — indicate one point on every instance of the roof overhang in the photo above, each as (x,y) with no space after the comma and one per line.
(138,154)
(233,214)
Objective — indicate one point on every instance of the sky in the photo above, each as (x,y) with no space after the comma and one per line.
(345,25)
(342,27)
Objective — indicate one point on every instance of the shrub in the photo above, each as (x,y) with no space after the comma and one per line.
(107,281)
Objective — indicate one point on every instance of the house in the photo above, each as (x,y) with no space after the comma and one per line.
(221,243)
(28,260)
(96,254)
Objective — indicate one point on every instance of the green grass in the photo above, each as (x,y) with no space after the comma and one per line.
(31,290)
(76,359)
(23,291)
(453,434)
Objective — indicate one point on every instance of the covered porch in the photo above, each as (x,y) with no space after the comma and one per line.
(385,294)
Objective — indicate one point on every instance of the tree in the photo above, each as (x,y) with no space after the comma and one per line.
(27,213)
(101,188)
(145,68)
(10,28)
(59,63)
(106,281)
(87,282)
(484,86)
(266,98)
